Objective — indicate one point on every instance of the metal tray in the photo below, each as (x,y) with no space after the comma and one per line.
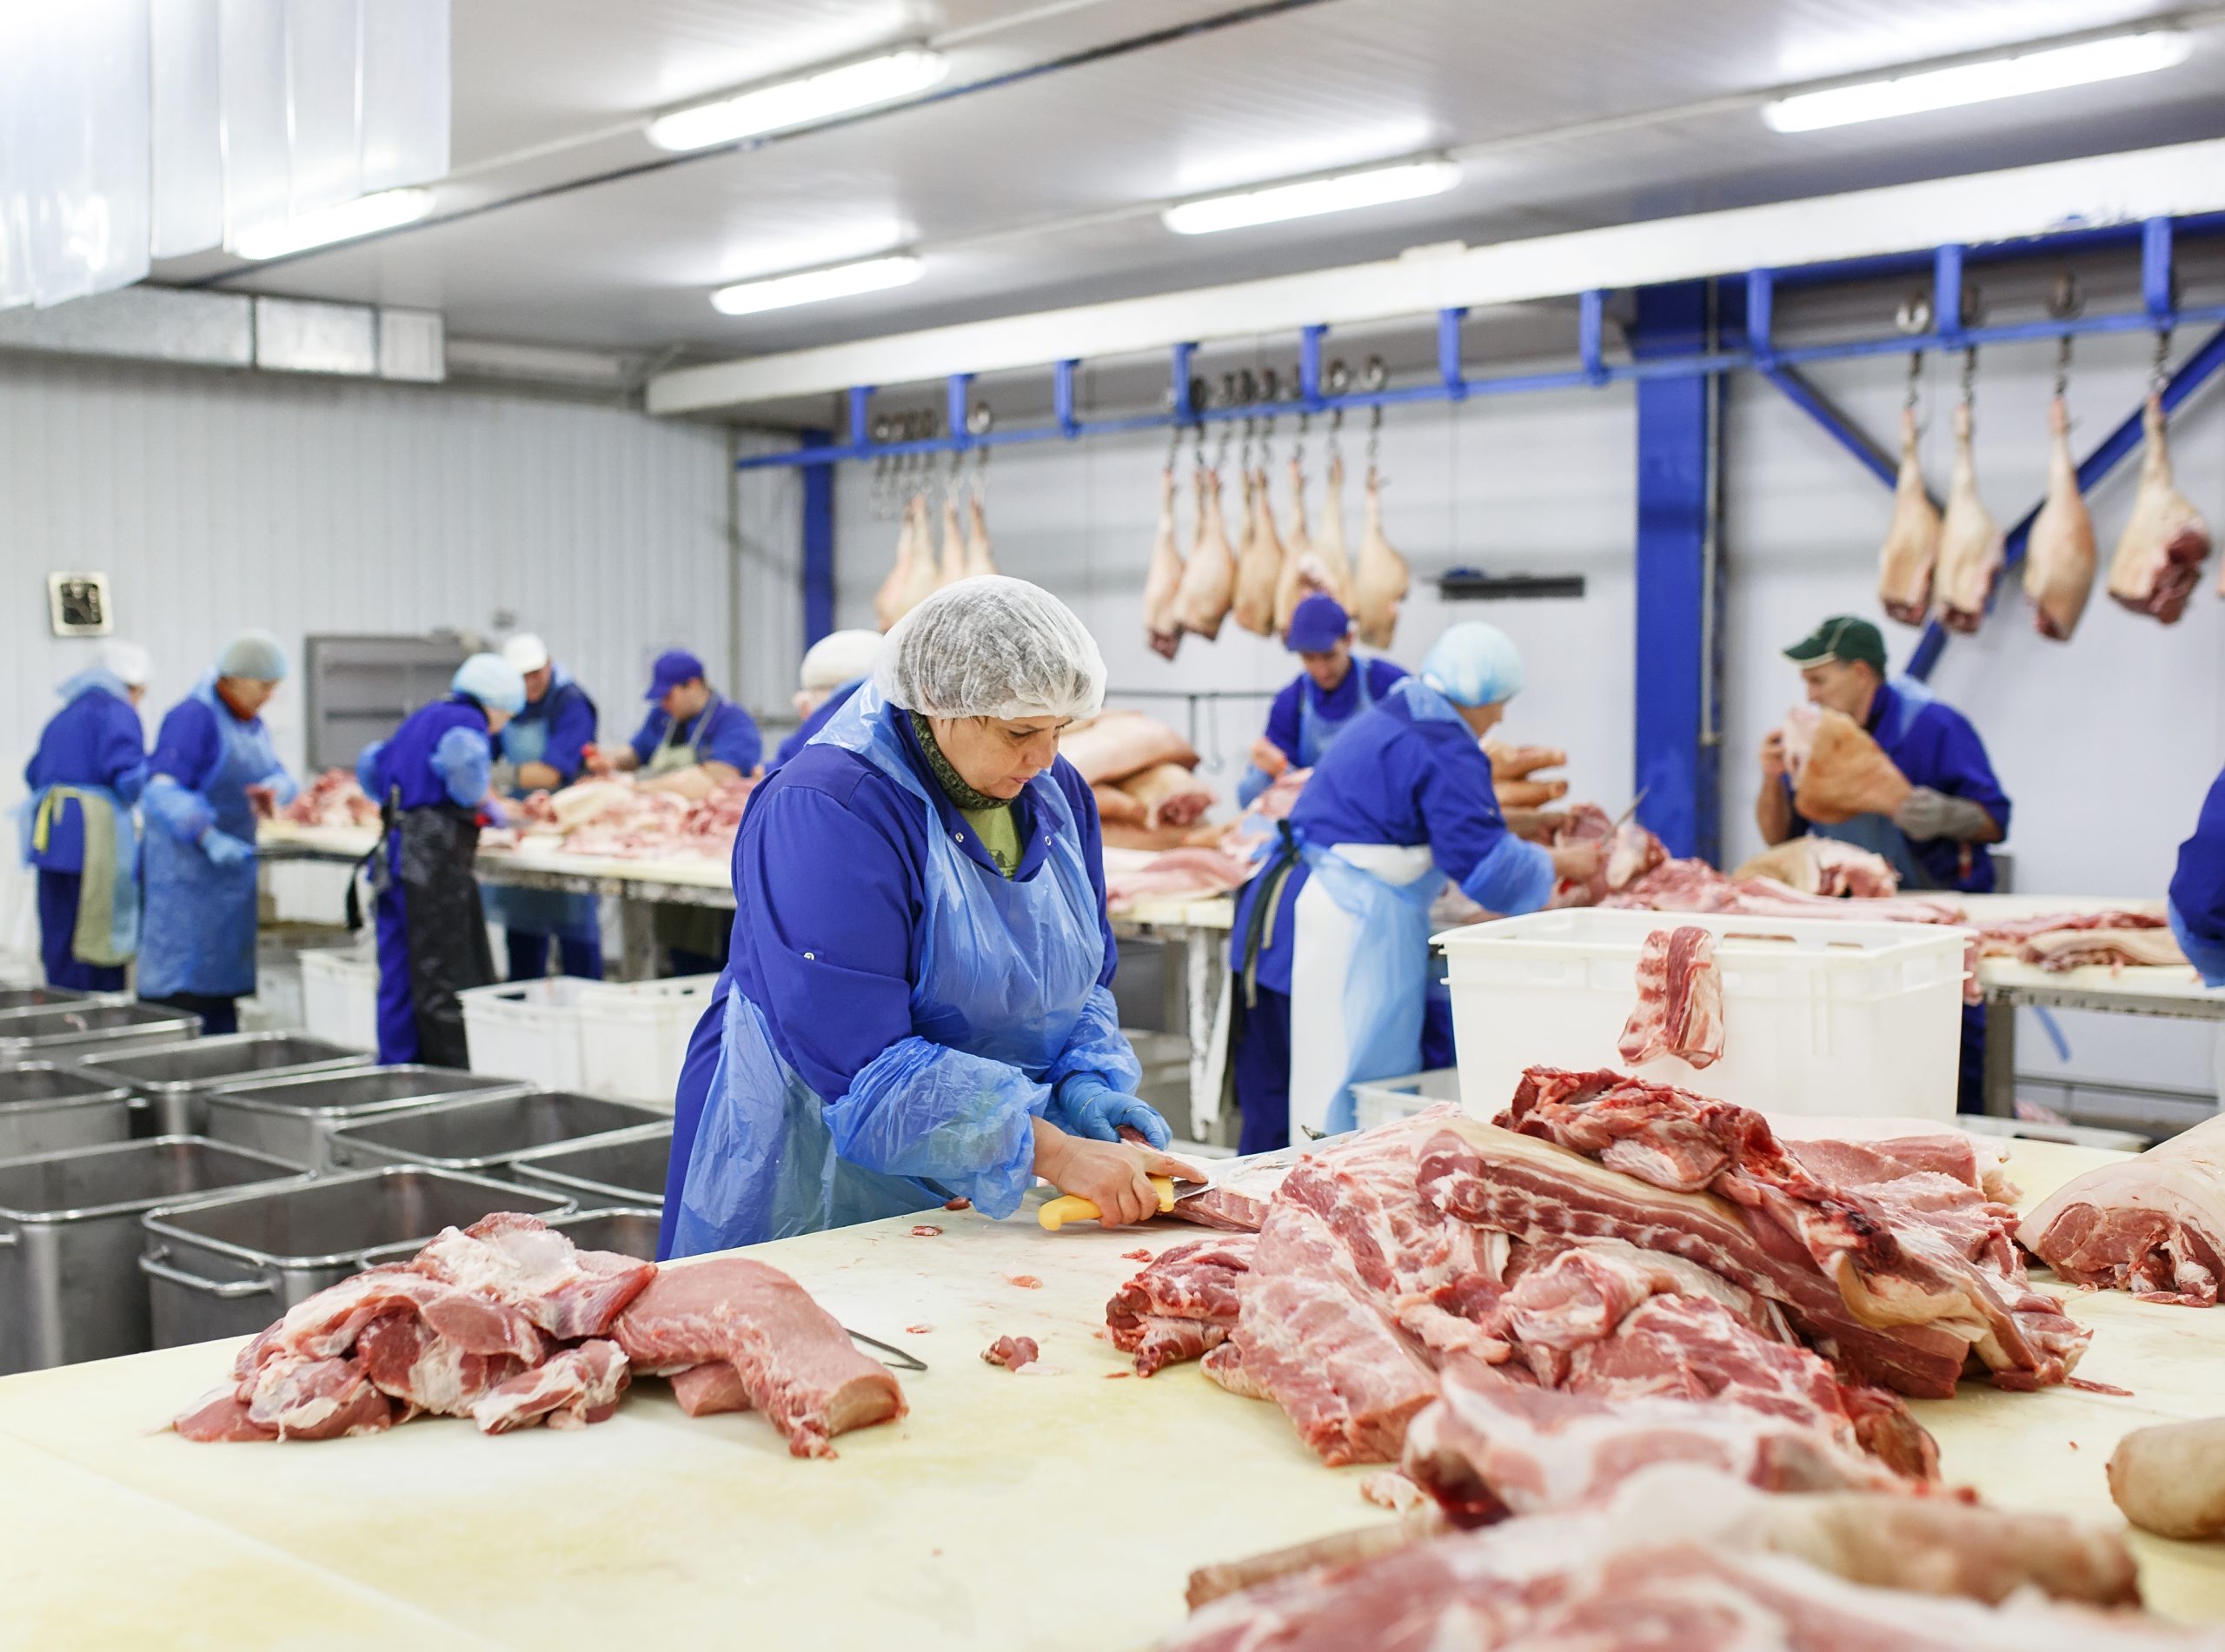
(227,1267)
(30,1000)
(486,1134)
(630,1231)
(177,1077)
(46,1108)
(628,1168)
(70,1241)
(293,1115)
(75,1033)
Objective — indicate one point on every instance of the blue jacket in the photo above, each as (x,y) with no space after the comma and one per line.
(1334,707)
(721,733)
(571,719)
(95,740)
(816,721)
(440,756)
(2198,886)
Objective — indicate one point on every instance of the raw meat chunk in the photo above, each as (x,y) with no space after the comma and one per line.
(1679,1000)
(2153,1224)
(1181,1305)
(520,1260)
(316,1399)
(575,1387)
(1012,1352)
(409,1361)
(705,1390)
(221,1413)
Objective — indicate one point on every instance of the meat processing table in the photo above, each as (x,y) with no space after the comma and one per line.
(1007,1509)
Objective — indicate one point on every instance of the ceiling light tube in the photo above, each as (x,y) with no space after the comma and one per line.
(2033,71)
(1339,192)
(807,97)
(809,286)
(388,210)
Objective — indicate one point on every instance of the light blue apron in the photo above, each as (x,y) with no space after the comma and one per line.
(537,911)
(107,934)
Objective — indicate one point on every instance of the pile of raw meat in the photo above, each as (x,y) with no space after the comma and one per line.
(331,800)
(611,816)
(1141,772)
(506,1322)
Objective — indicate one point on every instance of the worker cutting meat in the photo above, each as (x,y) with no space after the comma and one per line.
(545,747)
(1938,838)
(834,667)
(1321,702)
(2197,907)
(212,770)
(693,741)
(432,781)
(79,832)
(1332,937)
(919,1003)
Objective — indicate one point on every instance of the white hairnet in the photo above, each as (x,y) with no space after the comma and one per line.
(526,652)
(491,680)
(128,662)
(1474,664)
(991,646)
(840,657)
(256,655)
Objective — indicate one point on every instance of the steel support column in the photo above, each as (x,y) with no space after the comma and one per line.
(818,542)
(1674,766)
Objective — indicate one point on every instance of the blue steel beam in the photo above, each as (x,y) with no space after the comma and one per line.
(1947,317)
(818,542)
(1592,333)
(1062,398)
(1308,363)
(860,398)
(959,390)
(1841,429)
(2155,269)
(1184,413)
(1450,370)
(1761,316)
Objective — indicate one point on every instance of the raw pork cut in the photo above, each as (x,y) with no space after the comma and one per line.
(1679,1000)
(1161,629)
(1631,851)
(1301,571)
(1116,808)
(332,799)
(2070,949)
(1259,569)
(703,1390)
(1838,770)
(1012,1352)
(1170,795)
(1116,744)
(1818,865)
(1912,541)
(889,599)
(980,557)
(408,1360)
(315,1399)
(328,1324)
(796,1363)
(923,574)
(1971,542)
(2153,1224)
(1242,1190)
(2158,560)
(1331,560)
(2005,937)
(2059,550)
(1208,586)
(1178,874)
(951,566)
(521,1261)
(576,1387)
(1182,1304)
(1381,583)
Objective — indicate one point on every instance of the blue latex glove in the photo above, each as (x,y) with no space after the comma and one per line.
(492,813)
(225,850)
(1090,1107)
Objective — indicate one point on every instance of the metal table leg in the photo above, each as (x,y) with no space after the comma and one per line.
(637,924)
(1208,1011)
(2001,1060)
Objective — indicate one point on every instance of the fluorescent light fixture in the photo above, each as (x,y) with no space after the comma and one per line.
(2033,71)
(1409,181)
(388,210)
(809,286)
(808,97)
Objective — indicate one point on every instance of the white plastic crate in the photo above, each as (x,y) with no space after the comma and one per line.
(527,1030)
(340,996)
(1385,1101)
(634,1036)
(1819,1017)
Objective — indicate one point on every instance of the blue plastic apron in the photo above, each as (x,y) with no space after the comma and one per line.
(1316,734)
(537,911)
(107,932)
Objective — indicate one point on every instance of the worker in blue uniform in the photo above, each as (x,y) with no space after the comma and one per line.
(1331,937)
(1321,702)
(833,668)
(544,748)
(694,740)
(213,773)
(2197,902)
(1937,839)
(79,832)
(919,1004)
(433,783)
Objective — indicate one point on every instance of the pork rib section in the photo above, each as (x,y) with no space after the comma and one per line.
(795,1363)
(1679,1000)
(2153,1223)
(1182,1304)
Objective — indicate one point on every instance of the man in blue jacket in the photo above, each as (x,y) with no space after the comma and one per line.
(545,746)
(79,832)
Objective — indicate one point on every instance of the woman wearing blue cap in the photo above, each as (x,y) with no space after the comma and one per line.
(432,782)
(213,769)
(1321,702)
(1331,937)
(694,740)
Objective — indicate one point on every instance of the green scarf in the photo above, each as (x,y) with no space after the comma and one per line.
(992,817)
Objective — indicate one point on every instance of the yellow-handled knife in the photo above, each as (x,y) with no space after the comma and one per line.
(1057,1212)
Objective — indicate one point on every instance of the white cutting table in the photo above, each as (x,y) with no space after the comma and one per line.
(1026,1509)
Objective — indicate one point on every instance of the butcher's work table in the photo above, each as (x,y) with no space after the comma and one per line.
(1064,1505)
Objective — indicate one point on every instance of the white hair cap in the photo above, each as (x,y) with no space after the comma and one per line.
(840,657)
(128,662)
(526,652)
(991,646)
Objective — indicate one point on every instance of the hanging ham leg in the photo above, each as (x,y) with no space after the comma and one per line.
(951,568)
(1299,562)
(924,574)
(2159,560)
(1209,581)
(1912,540)
(888,601)
(1164,579)
(1383,580)
(1329,549)
(978,558)
(2059,556)
(1969,540)
(1259,569)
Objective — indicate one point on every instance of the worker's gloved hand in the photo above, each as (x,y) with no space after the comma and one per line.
(1926,814)
(225,850)
(1091,1108)
(492,813)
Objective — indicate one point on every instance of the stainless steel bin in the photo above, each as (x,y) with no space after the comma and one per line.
(227,1267)
(77,1032)
(625,1169)
(45,1108)
(30,1000)
(293,1116)
(630,1231)
(177,1077)
(486,1135)
(70,1241)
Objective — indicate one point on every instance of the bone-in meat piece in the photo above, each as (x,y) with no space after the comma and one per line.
(408,1360)
(575,1387)
(1329,553)
(896,586)
(521,1261)
(1911,546)
(1298,559)
(1838,770)
(1208,586)
(1818,865)
(1170,795)
(951,566)
(980,559)
(2059,553)
(1382,579)
(925,573)
(1117,743)
(1971,542)
(1115,806)
(1679,1009)
(1182,1304)
(1163,579)
(1259,564)
(2159,557)
(2153,1224)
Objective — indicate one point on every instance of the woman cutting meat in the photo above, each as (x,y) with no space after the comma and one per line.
(918,1001)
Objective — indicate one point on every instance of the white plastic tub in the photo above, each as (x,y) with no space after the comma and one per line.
(634,1036)
(1385,1101)
(527,1029)
(1819,1017)
(340,996)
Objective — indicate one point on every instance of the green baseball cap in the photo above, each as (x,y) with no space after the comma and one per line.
(1841,637)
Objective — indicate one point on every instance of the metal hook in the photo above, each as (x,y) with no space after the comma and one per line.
(1374,437)
(1297,447)
(1916,377)
(2158,378)
(1969,374)
(2062,364)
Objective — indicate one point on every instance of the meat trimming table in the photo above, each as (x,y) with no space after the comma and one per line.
(1007,1509)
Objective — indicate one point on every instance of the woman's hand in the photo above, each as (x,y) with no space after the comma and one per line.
(1115,1177)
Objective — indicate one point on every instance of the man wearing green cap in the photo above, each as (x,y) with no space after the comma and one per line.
(1937,839)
